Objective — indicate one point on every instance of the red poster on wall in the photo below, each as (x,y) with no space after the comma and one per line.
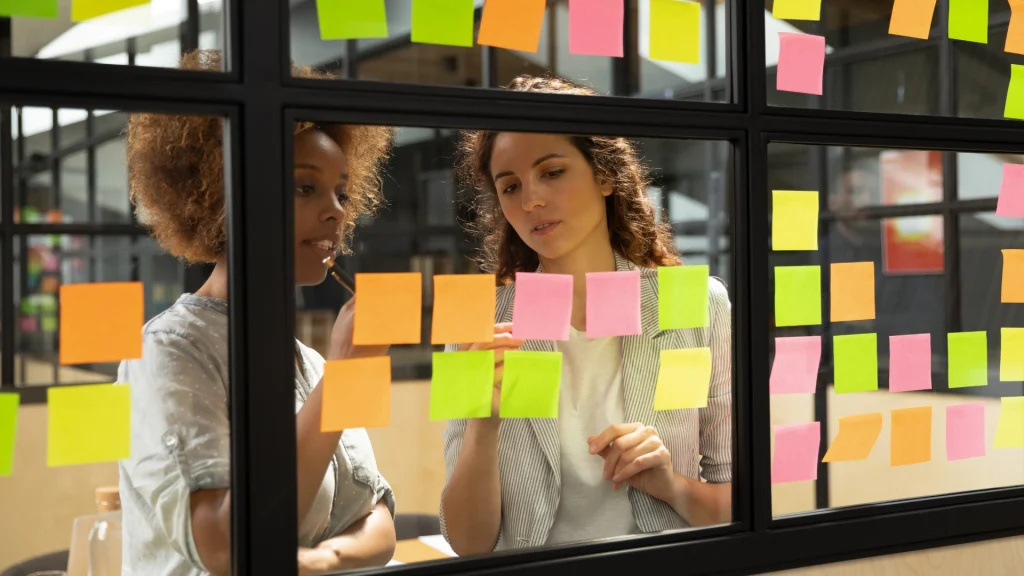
(912,244)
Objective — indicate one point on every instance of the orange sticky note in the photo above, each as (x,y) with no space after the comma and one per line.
(512,24)
(911,441)
(1015,33)
(856,437)
(912,18)
(389,309)
(853,291)
(1013,277)
(463,309)
(357,394)
(101,322)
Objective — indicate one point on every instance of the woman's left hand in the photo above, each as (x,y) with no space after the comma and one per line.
(634,454)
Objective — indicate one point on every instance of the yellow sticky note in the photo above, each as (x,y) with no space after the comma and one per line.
(389,309)
(794,220)
(684,378)
(1011,355)
(463,309)
(675,31)
(86,9)
(1010,430)
(356,394)
(1013,277)
(100,322)
(797,10)
(8,428)
(1015,93)
(88,424)
(856,437)
(911,436)
(853,291)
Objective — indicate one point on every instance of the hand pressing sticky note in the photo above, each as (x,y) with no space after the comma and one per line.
(1013,277)
(911,436)
(101,322)
(1015,93)
(794,220)
(8,428)
(512,24)
(356,394)
(88,424)
(684,378)
(853,291)
(530,384)
(796,10)
(795,368)
(352,19)
(613,304)
(967,354)
(795,456)
(543,306)
(910,362)
(445,22)
(595,27)
(462,385)
(28,9)
(856,363)
(82,10)
(1011,193)
(674,33)
(801,63)
(797,296)
(1015,32)
(389,309)
(1011,355)
(968,20)
(682,297)
(1010,429)
(463,309)
(857,436)
(965,431)
(912,18)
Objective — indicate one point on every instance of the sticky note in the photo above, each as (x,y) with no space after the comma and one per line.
(910,362)
(965,431)
(795,457)
(356,394)
(85,9)
(100,322)
(797,10)
(967,354)
(1013,277)
(613,304)
(853,291)
(856,437)
(684,378)
(912,18)
(911,436)
(29,8)
(794,220)
(543,306)
(512,24)
(797,295)
(446,22)
(674,33)
(88,424)
(683,297)
(8,428)
(1015,93)
(1011,193)
(351,19)
(856,362)
(1015,32)
(795,368)
(530,384)
(389,309)
(1011,354)
(463,309)
(968,20)
(462,385)
(595,27)
(1010,429)
(801,63)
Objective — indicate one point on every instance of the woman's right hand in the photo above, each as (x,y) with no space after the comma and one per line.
(341,346)
(502,343)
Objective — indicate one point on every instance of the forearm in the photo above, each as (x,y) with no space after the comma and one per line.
(314,450)
(701,503)
(367,543)
(472,500)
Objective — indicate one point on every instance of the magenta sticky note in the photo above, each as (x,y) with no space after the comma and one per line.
(613,304)
(1011,193)
(795,368)
(543,306)
(965,431)
(796,452)
(595,27)
(801,63)
(910,362)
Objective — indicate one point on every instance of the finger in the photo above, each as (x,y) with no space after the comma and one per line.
(602,440)
(503,328)
(648,461)
(507,340)
(619,446)
(648,445)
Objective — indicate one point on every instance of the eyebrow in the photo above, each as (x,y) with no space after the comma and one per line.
(317,169)
(536,163)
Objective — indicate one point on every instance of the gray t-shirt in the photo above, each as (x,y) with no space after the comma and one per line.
(181,442)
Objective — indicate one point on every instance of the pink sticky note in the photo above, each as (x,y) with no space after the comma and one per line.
(796,452)
(1011,194)
(965,431)
(910,362)
(543,306)
(605,319)
(595,27)
(801,63)
(795,368)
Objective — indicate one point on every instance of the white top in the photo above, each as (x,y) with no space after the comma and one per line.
(590,400)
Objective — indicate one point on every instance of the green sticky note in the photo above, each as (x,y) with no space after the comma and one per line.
(682,297)
(29,8)
(8,427)
(684,378)
(797,295)
(447,22)
(797,10)
(794,220)
(968,359)
(1015,93)
(351,19)
(82,10)
(462,385)
(1011,355)
(968,20)
(856,362)
(88,424)
(675,31)
(530,384)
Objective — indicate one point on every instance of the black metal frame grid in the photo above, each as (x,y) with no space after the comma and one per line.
(258,98)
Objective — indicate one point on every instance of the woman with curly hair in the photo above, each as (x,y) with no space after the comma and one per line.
(175,488)
(574,205)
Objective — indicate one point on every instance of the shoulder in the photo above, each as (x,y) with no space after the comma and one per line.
(189,335)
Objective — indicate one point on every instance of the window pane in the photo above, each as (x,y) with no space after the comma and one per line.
(981,175)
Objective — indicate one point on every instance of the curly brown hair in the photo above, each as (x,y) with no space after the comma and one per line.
(634,230)
(176,171)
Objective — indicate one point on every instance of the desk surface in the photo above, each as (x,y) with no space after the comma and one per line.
(421,549)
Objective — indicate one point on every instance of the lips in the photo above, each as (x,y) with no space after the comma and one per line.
(323,248)
(545,227)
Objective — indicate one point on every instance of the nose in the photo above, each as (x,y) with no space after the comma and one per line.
(334,211)
(531,197)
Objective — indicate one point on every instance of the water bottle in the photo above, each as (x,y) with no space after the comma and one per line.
(105,536)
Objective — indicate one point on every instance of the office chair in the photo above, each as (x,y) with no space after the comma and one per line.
(51,561)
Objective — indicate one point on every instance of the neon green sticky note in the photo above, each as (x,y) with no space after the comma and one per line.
(29,8)
(530,384)
(88,424)
(797,10)
(462,385)
(447,22)
(967,353)
(968,20)
(856,362)
(351,19)
(675,31)
(684,378)
(1010,430)
(797,295)
(1015,93)
(682,297)
(1011,355)
(794,220)
(8,428)
(86,9)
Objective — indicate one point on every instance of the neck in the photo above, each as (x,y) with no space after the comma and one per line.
(216,286)
(593,256)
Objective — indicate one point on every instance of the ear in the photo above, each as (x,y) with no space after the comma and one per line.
(606,187)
